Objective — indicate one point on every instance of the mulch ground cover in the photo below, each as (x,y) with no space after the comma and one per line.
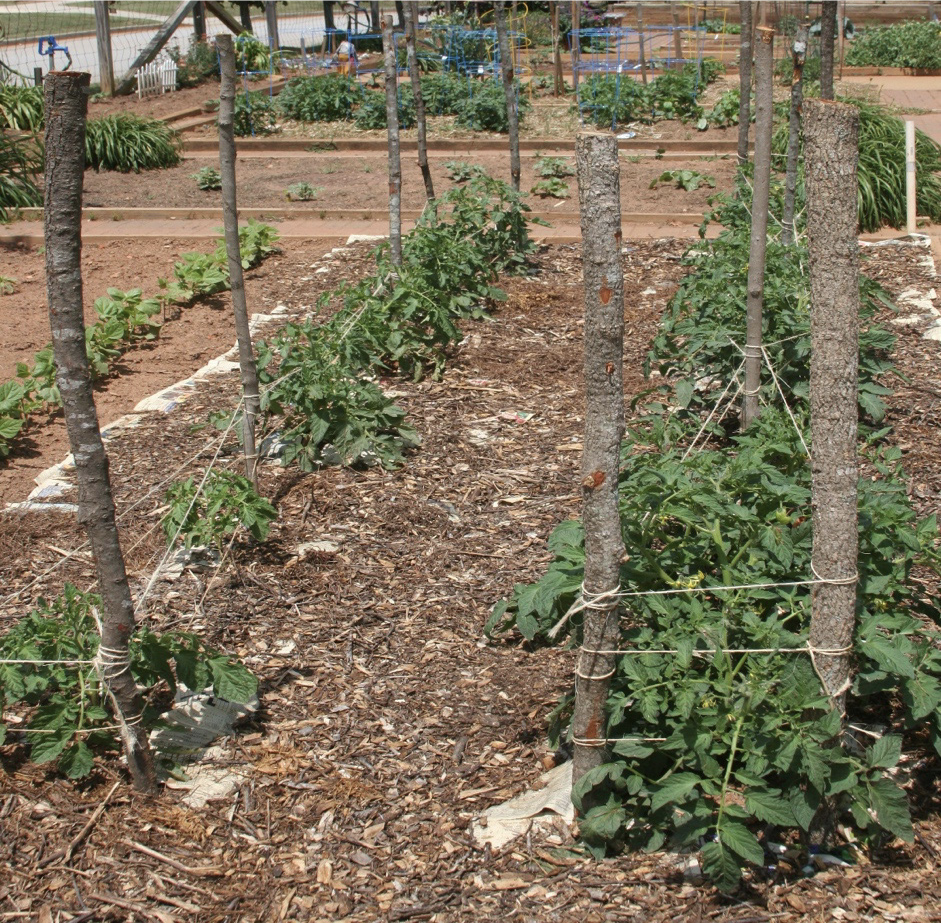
(388,723)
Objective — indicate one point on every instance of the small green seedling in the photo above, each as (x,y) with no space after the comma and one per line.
(550,167)
(301,192)
(684,179)
(551,188)
(208,179)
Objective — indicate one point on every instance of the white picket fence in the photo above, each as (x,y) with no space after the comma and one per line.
(157,78)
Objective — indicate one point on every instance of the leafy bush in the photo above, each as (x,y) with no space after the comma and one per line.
(251,55)
(443,93)
(460,171)
(21,162)
(71,717)
(724,113)
(208,179)
(21,108)
(904,44)
(326,98)
(687,180)
(485,110)
(207,514)
(127,143)
(199,64)
(254,114)
(548,167)
(611,100)
(553,187)
(371,113)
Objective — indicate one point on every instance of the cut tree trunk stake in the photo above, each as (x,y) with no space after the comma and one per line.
(230,220)
(828,10)
(764,62)
(640,43)
(575,40)
(793,138)
(409,13)
(831,150)
(395,162)
(744,80)
(66,106)
(600,205)
(509,91)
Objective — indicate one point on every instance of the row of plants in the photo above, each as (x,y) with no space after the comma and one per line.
(64,713)
(915,44)
(125,318)
(717,749)
(478,105)
(612,100)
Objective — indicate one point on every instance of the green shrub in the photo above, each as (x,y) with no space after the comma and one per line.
(208,179)
(255,114)
(301,192)
(903,44)
(21,108)
(371,113)
(128,143)
(327,98)
(21,162)
(486,109)
(444,92)
(251,55)
(199,64)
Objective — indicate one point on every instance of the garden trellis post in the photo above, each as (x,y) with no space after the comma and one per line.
(230,220)
(556,51)
(744,80)
(828,11)
(794,128)
(392,121)
(831,149)
(409,13)
(758,243)
(103,37)
(66,105)
(509,92)
(271,21)
(831,133)
(642,56)
(677,35)
(600,206)
(576,42)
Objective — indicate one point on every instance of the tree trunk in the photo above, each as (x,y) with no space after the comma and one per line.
(793,139)
(199,22)
(509,91)
(831,149)
(410,12)
(105,58)
(600,205)
(395,162)
(764,64)
(230,219)
(328,21)
(831,133)
(271,20)
(677,34)
(576,42)
(827,36)
(245,15)
(374,23)
(744,81)
(640,43)
(66,104)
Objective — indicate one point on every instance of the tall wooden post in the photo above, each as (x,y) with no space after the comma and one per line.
(677,34)
(66,105)
(794,127)
(828,10)
(395,161)
(409,13)
(640,43)
(199,22)
(271,20)
(230,220)
(911,167)
(831,150)
(556,51)
(599,198)
(509,92)
(105,58)
(576,42)
(764,66)
(744,80)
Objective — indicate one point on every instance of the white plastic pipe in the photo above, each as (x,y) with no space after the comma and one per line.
(910,224)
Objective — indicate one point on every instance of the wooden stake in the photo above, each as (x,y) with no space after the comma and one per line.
(409,12)
(230,220)
(509,92)
(600,205)
(640,41)
(744,81)
(66,106)
(764,65)
(576,42)
(395,162)
(103,36)
(828,10)
(556,51)
(794,127)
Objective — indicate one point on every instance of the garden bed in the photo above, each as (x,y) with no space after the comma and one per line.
(388,725)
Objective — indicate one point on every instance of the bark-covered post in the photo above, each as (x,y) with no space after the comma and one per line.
(576,40)
(794,130)
(640,43)
(831,148)
(677,34)
(392,121)
(911,175)
(828,11)
(509,92)
(230,220)
(761,184)
(271,21)
(599,198)
(744,81)
(556,51)
(66,104)
(103,37)
(409,13)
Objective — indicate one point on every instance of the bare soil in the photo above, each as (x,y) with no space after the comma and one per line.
(388,724)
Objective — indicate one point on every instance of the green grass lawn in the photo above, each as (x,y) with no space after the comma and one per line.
(16,26)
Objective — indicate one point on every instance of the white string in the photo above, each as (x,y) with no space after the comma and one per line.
(712,413)
(787,406)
